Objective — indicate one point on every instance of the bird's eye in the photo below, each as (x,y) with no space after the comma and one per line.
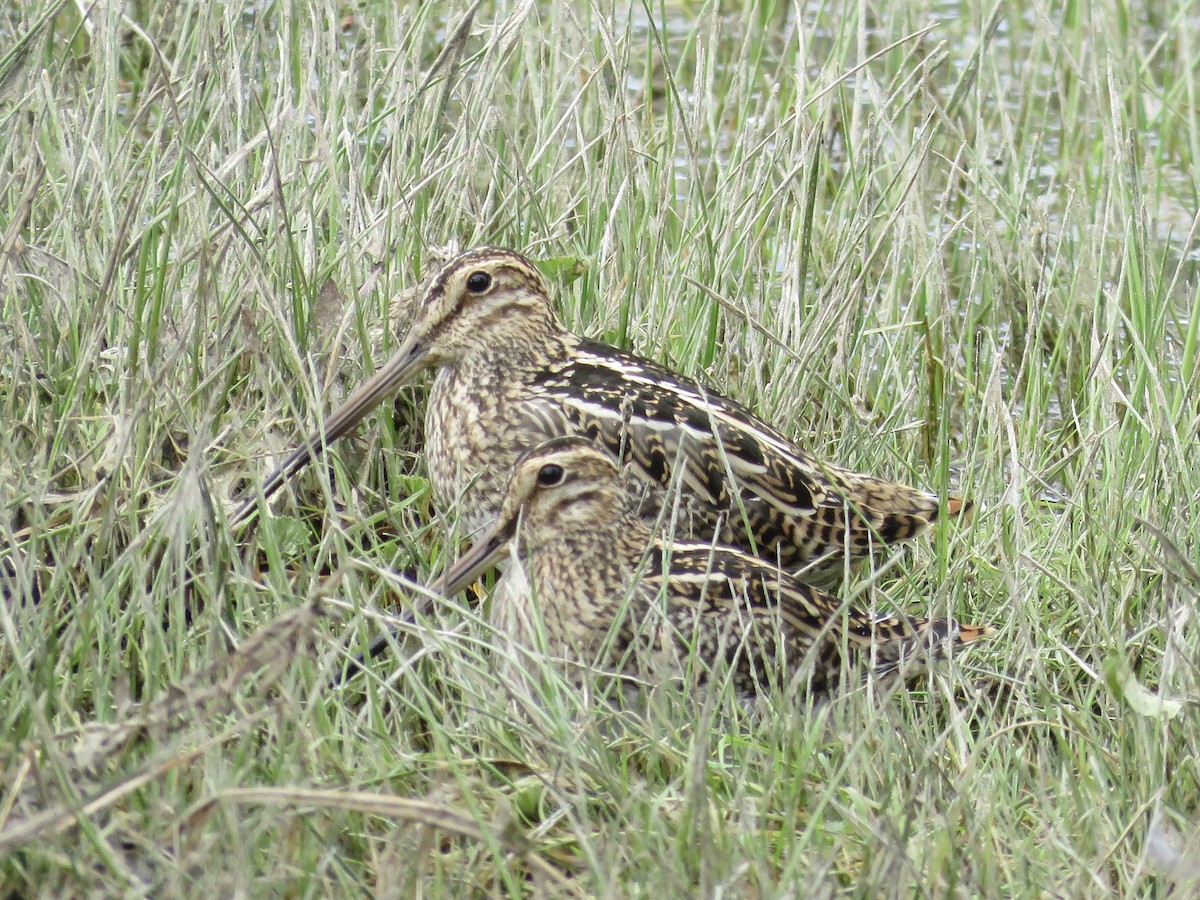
(550,475)
(479,282)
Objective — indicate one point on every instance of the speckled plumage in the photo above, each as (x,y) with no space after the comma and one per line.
(509,376)
(595,568)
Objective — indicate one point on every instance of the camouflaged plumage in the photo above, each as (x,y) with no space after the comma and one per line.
(509,376)
(605,591)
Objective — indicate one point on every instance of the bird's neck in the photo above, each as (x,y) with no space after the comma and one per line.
(599,557)
(535,348)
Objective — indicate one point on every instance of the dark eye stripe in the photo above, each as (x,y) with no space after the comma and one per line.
(585,497)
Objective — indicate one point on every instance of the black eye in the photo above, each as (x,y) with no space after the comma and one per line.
(550,475)
(479,282)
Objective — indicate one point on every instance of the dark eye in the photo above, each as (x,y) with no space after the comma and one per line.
(550,475)
(479,282)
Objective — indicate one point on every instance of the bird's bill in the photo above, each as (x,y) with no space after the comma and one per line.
(401,368)
(474,562)
(397,371)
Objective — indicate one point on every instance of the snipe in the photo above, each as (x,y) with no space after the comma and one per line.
(509,377)
(605,591)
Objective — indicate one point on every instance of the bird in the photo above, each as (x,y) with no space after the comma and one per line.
(509,376)
(607,591)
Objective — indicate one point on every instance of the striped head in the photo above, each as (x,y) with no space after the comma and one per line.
(564,488)
(562,485)
(485,298)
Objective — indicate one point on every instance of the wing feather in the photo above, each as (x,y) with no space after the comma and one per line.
(653,417)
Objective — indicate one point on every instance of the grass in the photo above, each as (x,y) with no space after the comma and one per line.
(960,255)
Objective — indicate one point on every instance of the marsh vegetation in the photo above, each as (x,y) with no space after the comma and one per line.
(954,244)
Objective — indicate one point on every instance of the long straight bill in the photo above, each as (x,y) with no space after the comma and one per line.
(407,361)
(473,563)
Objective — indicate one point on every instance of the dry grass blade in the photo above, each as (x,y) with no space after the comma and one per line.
(256,665)
(1172,557)
(61,817)
(209,695)
(438,815)
(914,238)
(17,59)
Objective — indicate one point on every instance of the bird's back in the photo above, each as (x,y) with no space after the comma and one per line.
(740,479)
(771,629)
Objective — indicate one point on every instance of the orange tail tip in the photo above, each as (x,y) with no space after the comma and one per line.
(969,633)
(961,509)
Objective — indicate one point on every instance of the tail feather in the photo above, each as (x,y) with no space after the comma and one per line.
(962,509)
(904,646)
(969,633)
(892,512)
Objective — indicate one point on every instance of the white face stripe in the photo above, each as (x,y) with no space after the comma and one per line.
(571,489)
(706,548)
(586,470)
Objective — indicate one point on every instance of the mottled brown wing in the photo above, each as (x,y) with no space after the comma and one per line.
(782,626)
(732,608)
(651,417)
(782,503)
